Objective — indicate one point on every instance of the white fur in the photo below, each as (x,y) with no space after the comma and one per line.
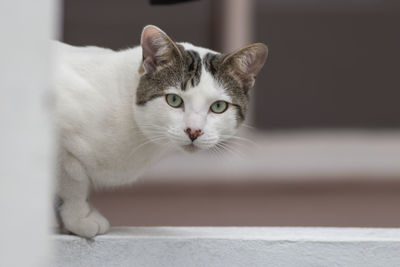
(106,140)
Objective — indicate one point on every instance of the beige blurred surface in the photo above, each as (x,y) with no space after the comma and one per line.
(324,202)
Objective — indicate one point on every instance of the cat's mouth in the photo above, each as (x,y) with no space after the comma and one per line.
(191,148)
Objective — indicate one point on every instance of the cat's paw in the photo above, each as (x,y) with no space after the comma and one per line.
(90,226)
(102,222)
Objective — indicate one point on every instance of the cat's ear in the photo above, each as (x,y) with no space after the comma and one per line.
(157,48)
(246,62)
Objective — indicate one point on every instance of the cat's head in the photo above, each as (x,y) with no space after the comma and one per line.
(190,96)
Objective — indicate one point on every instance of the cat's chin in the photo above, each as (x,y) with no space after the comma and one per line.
(190,148)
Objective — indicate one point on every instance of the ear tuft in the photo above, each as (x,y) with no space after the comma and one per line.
(247,62)
(157,48)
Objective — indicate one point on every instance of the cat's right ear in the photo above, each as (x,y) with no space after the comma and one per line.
(157,49)
(246,62)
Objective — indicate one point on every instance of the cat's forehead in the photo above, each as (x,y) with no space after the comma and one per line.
(198,82)
(205,90)
(193,65)
(198,49)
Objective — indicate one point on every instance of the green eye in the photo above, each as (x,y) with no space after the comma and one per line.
(174,100)
(219,107)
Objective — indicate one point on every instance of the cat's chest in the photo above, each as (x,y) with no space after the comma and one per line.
(123,164)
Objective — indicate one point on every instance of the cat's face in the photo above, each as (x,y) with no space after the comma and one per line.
(191,97)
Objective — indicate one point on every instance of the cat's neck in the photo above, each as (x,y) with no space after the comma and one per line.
(128,63)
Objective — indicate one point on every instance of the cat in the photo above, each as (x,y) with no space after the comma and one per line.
(117,112)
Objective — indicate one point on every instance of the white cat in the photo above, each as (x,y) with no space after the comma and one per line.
(119,111)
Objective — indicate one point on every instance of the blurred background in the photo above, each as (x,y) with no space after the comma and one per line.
(325,116)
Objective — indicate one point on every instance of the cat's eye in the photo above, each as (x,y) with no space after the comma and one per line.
(174,100)
(219,106)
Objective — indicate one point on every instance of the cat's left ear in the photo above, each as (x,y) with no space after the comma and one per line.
(246,63)
(157,49)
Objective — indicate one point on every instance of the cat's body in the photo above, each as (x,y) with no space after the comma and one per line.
(117,113)
(100,130)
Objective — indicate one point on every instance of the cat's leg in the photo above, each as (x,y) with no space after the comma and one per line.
(76,214)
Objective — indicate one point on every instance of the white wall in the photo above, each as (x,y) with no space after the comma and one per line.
(26,138)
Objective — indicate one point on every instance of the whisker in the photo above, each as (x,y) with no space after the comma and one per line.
(147,142)
(155,126)
(230,150)
(240,139)
(248,126)
(216,152)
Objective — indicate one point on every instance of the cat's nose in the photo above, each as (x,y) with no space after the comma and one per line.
(193,134)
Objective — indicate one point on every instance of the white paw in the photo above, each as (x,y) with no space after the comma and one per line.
(102,222)
(90,226)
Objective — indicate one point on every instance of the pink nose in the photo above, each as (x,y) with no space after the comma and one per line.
(193,134)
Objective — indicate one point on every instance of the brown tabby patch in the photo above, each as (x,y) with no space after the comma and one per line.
(223,74)
(184,70)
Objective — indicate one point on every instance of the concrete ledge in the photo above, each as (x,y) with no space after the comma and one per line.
(231,246)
